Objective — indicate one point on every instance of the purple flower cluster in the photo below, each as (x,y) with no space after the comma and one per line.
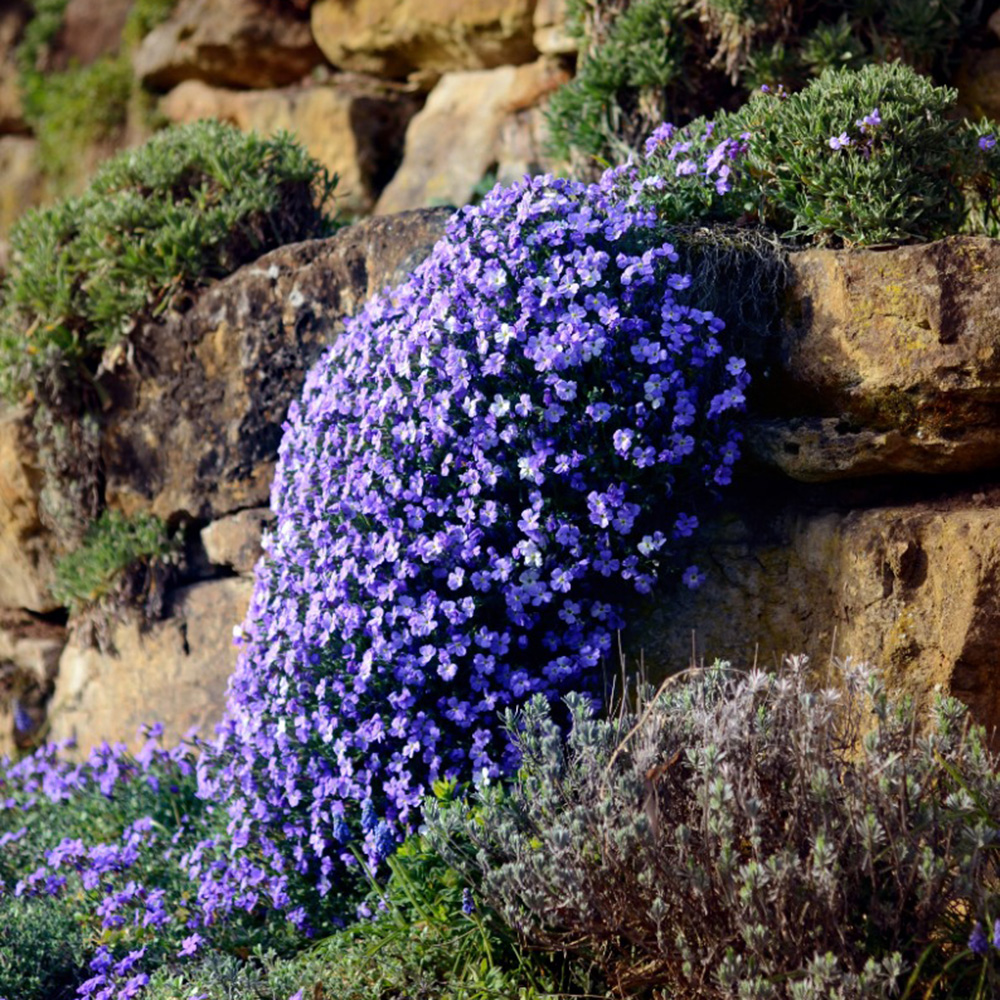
(716,167)
(868,127)
(119,863)
(491,462)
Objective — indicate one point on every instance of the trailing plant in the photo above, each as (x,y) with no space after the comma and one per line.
(740,834)
(122,563)
(93,855)
(489,465)
(646,61)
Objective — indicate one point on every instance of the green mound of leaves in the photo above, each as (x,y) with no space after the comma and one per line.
(190,206)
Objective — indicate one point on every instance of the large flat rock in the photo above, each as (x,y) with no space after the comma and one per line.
(911,588)
(175,672)
(396,38)
(195,423)
(888,362)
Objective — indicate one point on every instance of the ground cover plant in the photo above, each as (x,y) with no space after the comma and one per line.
(92,887)
(855,158)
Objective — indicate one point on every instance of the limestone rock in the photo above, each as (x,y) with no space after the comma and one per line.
(29,661)
(176,672)
(394,38)
(13,18)
(90,29)
(910,588)
(235,541)
(473,123)
(194,427)
(353,126)
(21,185)
(235,43)
(821,449)
(27,556)
(889,362)
(551,36)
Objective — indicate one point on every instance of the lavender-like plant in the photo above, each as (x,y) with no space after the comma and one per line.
(742,835)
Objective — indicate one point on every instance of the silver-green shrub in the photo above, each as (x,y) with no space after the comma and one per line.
(746,835)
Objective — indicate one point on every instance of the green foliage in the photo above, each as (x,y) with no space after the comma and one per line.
(741,835)
(73,110)
(190,206)
(646,61)
(76,109)
(121,561)
(42,953)
(812,169)
(621,85)
(416,941)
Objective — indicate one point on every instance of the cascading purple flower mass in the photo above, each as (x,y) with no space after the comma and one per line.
(482,472)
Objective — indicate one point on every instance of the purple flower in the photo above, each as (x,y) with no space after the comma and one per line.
(978,942)
(841,141)
(987,142)
(190,945)
(869,122)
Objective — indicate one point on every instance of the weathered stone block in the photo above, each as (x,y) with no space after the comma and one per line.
(235,541)
(175,672)
(394,38)
(232,43)
(473,123)
(354,126)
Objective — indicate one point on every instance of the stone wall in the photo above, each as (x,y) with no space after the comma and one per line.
(430,96)
(865,520)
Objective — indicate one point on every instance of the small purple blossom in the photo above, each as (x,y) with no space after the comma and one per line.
(842,141)
(987,142)
(978,942)
(190,945)
(870,122)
